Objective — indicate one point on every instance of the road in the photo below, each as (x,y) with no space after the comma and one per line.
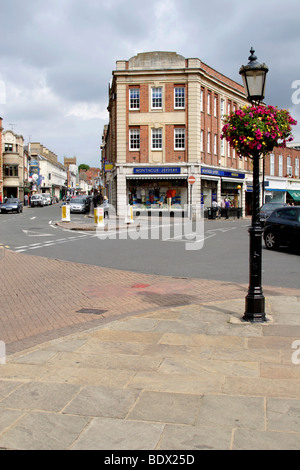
(223,256)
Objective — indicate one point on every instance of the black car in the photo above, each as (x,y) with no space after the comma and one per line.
(267,209)
(283,228)
(11,204)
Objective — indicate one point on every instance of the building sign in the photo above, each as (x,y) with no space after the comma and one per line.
(157,171)
(227,174)
(108,167)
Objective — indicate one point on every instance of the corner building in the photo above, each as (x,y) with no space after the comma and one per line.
(165,122)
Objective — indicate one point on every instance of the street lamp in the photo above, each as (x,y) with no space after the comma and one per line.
(254,78)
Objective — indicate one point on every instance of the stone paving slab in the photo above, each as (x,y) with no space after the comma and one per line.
(184,391)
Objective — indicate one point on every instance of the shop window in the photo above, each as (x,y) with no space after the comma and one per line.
(134,98)
(134,139)
(179,139)
(156,139)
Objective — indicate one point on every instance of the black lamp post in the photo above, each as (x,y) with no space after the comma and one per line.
(254,78)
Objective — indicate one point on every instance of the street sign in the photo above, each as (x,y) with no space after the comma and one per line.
(191,179)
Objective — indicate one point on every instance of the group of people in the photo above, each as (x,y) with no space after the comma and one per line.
(100,200)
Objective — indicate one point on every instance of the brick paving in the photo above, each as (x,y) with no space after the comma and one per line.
(43,299)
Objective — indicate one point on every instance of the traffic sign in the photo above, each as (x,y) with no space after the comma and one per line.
(191,179)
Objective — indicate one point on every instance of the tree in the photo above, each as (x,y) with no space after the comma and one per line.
(83,167)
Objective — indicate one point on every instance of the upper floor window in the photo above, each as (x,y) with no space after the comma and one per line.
(222,108)
(134,98)
(179,97)
(297,167)
(208,103)
(156,98)
(134,139)
(272,164)
(215,105)
(280,165)
(156,139)
(10,170)
(8,147)
(179,139)
(289,166)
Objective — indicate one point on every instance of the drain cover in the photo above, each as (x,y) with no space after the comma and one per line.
(94,311)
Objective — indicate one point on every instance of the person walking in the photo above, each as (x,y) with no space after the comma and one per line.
(105,207)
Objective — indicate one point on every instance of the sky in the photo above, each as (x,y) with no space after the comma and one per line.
(57,58)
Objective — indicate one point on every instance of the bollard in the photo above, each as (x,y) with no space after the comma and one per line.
(99,216)
(129,215)
(65,213)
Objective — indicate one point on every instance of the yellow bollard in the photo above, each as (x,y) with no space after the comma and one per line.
(99,216)
(65,213)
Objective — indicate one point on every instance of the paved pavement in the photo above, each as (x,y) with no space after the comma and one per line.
(98,358)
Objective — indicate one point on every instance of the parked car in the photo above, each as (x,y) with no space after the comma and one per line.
(12,204)
(78,204)
(47,198)
(283,228)
(267,209)
(37,200)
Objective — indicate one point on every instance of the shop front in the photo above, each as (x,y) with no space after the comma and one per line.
(157,188)
(227,188)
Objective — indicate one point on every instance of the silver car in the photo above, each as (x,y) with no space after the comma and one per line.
(78,204)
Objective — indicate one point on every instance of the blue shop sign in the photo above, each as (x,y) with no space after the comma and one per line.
(227,174)
(157,171)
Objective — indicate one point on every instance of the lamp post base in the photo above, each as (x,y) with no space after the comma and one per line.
(255,307)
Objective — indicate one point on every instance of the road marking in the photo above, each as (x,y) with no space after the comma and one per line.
(32,233)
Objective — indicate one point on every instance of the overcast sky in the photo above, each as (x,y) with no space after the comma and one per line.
(57,57)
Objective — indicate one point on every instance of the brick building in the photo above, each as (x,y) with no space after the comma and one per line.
(165,121)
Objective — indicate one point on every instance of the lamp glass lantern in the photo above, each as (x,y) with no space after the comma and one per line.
(254,78)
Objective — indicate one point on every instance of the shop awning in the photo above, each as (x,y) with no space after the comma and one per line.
(295,195)
(156,177)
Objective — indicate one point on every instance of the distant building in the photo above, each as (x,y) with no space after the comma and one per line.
(47,174)
(13,164)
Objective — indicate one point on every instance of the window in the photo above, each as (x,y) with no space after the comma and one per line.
(215,143)
(156,139)
(8,147)
(201,100)
(280,166)
(179,97)
(208,103)
(201,141)
(10,170)
(179,139)
(156,98)
(297,167)
(215,106)
(134,98)
(134,139)
(208,142)
(272,164)
(228,149)
(222,108)
(289,166)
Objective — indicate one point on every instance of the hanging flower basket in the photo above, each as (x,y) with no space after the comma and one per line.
(258,129)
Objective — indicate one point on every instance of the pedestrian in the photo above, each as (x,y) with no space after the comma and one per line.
(105,207)
(26,199)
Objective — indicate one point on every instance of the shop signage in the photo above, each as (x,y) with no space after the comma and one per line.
(227,174)
(157,171)
(108,167)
